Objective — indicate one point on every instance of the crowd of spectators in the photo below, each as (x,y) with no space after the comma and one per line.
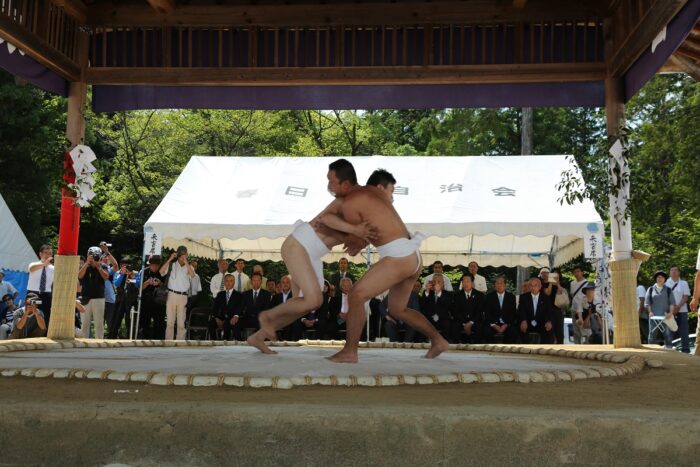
(466,311)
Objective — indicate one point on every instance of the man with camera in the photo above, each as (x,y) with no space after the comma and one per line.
(92,277)
(152,318)
(588,316)
(41,278)
(179,272)
(29,320)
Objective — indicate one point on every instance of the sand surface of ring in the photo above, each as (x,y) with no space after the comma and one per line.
(290,362)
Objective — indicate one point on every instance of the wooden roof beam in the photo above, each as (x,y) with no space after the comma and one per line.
(163,7)
(263,76)
(114,14)
(75,8)
(640,38)
(519,3)
(687,66)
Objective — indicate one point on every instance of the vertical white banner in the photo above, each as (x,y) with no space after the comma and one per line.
(593,241)
(152,242)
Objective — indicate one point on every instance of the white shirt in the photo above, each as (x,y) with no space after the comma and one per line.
(448,284)
(641,291)
(195,285)
(285,296)
(697,265)
(344,304)
(35,277)
(242,281)
(579,297)
(678,292)
(215,284)
(501,297)
(480,283)
(179,279)
(535,300)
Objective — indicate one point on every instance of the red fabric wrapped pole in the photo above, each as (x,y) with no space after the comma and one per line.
(69,227)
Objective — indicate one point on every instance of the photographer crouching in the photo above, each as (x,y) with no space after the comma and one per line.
(29,320)
(588,316)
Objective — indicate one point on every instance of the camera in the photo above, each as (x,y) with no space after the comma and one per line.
(108,245)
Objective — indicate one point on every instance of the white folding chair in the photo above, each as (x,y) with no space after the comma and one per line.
(655,322)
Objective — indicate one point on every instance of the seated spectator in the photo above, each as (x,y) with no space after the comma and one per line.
(29,320)
(394,326)
(271,287)
(259,269)
(285,293)
(479,280)
(338,309)
(7,317)
(535,314)
(254,301)
(501,314)
(588,316)
(6,288)
(468,312)
(437,269)
(226,311)
(437,306)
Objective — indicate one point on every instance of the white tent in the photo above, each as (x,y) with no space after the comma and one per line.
(15,251)
(498,210)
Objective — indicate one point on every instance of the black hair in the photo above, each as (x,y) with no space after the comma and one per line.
(344,171)
(381,177)
(467,274)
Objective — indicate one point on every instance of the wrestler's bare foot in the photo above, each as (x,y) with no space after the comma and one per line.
(344,356)
(437,347)
(257,340)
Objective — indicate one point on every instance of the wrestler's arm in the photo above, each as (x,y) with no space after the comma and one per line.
(331,217)
(351,213)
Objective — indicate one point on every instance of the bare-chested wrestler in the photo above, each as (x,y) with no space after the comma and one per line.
(302,252)
(398,268)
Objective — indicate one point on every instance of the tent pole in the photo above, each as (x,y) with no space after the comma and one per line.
(134,323)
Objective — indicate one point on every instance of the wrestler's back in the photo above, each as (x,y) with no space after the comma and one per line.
(371,205)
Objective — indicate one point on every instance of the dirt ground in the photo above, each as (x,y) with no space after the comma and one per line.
(649,418)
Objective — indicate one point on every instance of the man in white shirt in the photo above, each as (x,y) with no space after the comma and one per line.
(217,281)
(437,269)
(643,315)
(41,279)
(681,293)
(242,279)
(6,288)
(696,296)
(479,280)
(577,295)
(179,274)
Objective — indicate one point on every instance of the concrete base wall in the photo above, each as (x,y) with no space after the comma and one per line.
(240,434)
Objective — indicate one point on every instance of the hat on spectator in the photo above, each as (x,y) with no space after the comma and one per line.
(544,270)
(660,273)
(181,250)
(589,285)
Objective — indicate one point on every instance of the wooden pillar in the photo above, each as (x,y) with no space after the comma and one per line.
(623,267)
(62,324)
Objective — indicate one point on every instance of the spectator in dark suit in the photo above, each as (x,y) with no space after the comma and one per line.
(271,287)
(437,306)
(393,326)
(535,314)
(501,314)
(285,293)
(338,308)
(226,310)
(317,319)
(342,272)
(468,312)
(254,301)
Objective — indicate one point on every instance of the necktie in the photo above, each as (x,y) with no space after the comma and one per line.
(228,296)
(42,283)
(255,296)
(436,298)
(500,300)
(238,283)
(221,286)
